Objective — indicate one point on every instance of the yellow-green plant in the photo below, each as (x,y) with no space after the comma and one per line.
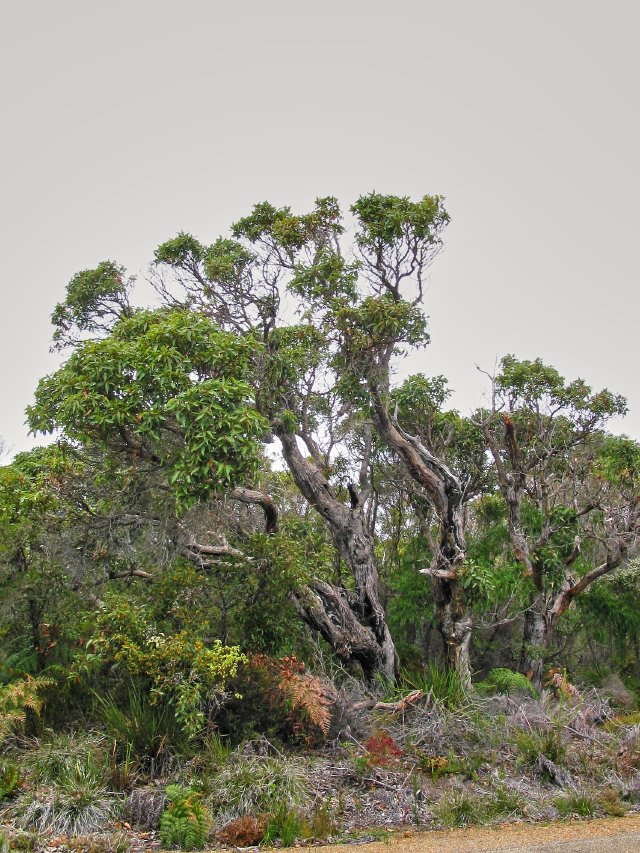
(17,699)
(185,823)
(180,669)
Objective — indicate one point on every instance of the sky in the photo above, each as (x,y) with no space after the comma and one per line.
(126,122)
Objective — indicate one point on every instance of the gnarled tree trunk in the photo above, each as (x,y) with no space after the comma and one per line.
(355,627)
(445,494)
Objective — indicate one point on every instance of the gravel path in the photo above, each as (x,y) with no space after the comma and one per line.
(619,835)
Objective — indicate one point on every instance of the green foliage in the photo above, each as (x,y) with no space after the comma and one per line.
(575,804)
(610,801)
(180,669)
(158,375)
(549,742)
(95,300)
(148,731)
(68,760)
(386,219)
(185,823)
(17,700)
(507,681)
(527,383)
(10,780)
(618,461)
(462,808)
(77,804)
(610,615)
(444,685)
(285,826)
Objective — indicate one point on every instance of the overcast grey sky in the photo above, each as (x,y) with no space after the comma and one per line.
(125,122)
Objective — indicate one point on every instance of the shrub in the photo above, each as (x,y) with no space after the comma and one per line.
(611,803)
(382,750)
(183,672)
(323,824)
(459,809)
(462,808)
(139,727)
(69,760)
(185,823)
(279,699)
(444,685)
(17,699)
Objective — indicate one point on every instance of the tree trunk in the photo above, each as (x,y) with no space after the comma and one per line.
(535,640)
(328,609)
(455,624)
(355,545)
(453,617)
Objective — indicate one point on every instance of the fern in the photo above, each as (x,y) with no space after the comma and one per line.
(307,693)
(185,823)
(508,681)
(18,697)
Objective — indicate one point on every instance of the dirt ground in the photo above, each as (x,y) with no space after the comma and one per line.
(609,835)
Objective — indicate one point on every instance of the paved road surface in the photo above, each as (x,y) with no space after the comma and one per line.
(618,835)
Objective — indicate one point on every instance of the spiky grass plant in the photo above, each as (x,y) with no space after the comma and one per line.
(67,809)
(251,785)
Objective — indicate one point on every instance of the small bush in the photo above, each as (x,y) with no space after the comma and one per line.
(432,765)
(279,699)
(575,804)
(622,721)
(63,760)
(444,685)
(462,808)
(505,801)
(322,824)
(18,699)
(185,823)
(459,809)
(148,731)
(382,750)
(244,831)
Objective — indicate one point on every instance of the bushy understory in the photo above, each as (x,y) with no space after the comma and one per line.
(420,759)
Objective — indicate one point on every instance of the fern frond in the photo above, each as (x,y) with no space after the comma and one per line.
(307,693)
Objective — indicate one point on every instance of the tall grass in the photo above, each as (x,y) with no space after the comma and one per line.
(150,732)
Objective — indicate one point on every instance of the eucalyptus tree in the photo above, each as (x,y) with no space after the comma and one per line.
(358,308)
(570,489)
(283,329)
